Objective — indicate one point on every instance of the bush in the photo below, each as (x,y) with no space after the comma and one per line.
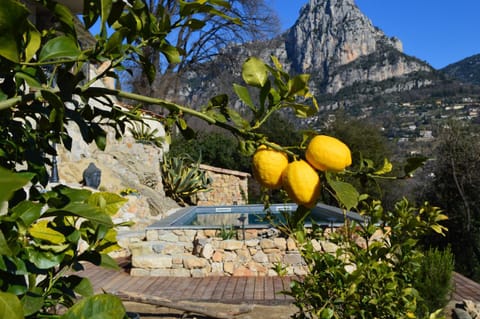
(434,279)
(368,276)
(182,178)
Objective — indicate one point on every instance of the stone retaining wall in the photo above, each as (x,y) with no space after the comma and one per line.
(228,188)
(200,253)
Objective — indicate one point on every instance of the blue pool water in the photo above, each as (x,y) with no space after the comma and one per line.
(248,216)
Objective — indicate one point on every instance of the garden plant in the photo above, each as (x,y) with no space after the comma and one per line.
(44,86)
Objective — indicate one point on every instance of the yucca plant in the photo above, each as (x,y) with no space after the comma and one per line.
(142,133)
(182,178)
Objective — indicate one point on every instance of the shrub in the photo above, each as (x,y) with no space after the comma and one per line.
(369,276)
(182,178)
(434,279)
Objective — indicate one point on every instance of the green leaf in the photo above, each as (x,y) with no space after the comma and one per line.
(106,8)
(32,303)
(34,40)
(103,306)
(27,77)
(326,313)
(111,202)
(12,17)
(298,85)
(236,118)
(109,262)
(255,72)
(82,286)
(44,259)
(27,212)
(4,248)
(387,168)
(40,230)
(61,47)
(346,194)
(11,182)
(171,53)
(244,95)
(84,210)
(10,306)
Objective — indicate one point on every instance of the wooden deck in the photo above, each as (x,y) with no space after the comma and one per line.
(234,290)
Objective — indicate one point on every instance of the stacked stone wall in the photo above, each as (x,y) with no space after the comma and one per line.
(228,187)
(201,253)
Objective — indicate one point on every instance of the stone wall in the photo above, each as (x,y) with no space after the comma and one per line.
(201,253)
(229,187)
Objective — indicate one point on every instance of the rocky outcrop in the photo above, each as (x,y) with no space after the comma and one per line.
(336,42)
(124,164)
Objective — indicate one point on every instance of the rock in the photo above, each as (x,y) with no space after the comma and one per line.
(193,262)
(459,313)
(151,261)
(207,251)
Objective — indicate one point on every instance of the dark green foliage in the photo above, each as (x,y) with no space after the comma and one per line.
(216,149)
(364,139)
(434,280)
(455,187)
(466,70)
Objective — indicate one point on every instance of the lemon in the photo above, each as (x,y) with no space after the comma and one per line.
(268,166)
(327,153)
(302,183)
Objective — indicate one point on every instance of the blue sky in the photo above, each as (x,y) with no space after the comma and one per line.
(437,31)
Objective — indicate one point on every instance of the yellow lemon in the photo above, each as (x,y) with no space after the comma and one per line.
(302,183)
(327,153)
(268,166)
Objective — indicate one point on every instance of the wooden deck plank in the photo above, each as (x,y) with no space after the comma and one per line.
(269,289)
(249,292)
(159,286)
(259,293)
(230,288)
(211,287)
(239,288)
(219,292)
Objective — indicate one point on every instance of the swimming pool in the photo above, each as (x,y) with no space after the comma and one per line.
(248,216)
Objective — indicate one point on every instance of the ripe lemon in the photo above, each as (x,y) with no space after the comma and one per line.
(327,153)
(302,183)
(268,166)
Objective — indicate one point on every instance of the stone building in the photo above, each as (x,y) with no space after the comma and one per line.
(229,187)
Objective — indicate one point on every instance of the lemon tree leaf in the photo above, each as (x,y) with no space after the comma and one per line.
(103,306)
(386,168)
(61,47)
(346,194)
(255,72)
(110,203)
(10,182)
(40,230)
(10,306)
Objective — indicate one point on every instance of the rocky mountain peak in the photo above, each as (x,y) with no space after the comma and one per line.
(330,33)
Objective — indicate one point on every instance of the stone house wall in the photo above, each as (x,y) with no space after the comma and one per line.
(229,187)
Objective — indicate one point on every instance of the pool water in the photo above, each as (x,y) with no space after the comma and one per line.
(248,216)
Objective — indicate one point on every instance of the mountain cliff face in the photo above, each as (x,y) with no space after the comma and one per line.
(335,41)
